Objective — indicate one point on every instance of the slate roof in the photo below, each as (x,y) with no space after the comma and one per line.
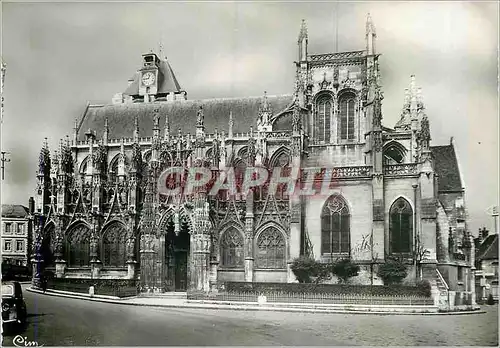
(169,82)
(182,114)
(446,166)
(14,211)
(488,250)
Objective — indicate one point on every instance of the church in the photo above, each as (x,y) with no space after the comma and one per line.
(99,212)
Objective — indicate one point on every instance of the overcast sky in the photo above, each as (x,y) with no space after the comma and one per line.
(60,55)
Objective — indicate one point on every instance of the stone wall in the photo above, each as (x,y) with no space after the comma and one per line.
(358,197)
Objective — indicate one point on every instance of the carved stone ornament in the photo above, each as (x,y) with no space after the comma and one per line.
(296,124)
(200,117)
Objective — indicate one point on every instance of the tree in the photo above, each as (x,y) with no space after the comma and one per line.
(344,269)
(367,244)
(419,254)
(393,271)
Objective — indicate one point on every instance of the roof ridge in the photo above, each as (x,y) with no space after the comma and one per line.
(100,105)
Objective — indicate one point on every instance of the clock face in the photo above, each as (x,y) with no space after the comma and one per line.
(148,78)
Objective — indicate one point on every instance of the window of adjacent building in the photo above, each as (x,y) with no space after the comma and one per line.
(323,118)
(20,229)
(335,226)
(7,245)
(19,245)
(347,105)
(271,249)
(78,246)
(114,242)
(401,226)
(8,228)
(231,248)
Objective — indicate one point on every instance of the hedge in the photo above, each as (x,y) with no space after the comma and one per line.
(337,289)
(110,287)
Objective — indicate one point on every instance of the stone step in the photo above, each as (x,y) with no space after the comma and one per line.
(166,295)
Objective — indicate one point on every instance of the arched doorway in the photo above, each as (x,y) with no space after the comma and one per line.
(177,251)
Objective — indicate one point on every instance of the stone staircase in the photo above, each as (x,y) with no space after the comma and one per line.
(441,290)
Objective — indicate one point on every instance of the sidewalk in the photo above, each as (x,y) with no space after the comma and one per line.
(247,306)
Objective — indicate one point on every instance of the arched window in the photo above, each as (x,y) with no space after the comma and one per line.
(323,118)
(239,174)
(401,226)
(394,153)
(113,171)
(78,246)
(281,162)
(335,226)
(114,246)
(271,249)
(231,248)
(347,104)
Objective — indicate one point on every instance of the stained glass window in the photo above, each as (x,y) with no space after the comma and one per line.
(335,226)
(114,246)
(271,249)
(231,248)
(401,226)
(346,116)
(323,118)
(78,246)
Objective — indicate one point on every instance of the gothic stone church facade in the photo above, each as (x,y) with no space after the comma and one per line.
(99,213)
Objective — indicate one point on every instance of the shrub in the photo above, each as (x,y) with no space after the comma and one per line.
(305,268)
(490,300)
(393,271)
(424,287)
(344,269)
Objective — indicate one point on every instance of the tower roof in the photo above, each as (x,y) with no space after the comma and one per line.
(168,84)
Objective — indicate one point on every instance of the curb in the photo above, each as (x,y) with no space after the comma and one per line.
(240,307)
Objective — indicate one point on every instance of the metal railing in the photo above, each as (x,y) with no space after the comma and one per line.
(315,298)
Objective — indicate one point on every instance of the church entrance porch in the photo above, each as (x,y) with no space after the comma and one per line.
(177,254)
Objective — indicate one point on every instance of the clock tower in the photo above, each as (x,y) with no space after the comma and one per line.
(149,76)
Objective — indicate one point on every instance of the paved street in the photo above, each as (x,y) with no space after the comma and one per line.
(63,321)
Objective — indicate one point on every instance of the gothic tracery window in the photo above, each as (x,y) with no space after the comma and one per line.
(114,246)
(394,154)
(78,246)
(231,248)
(335,226)
(347,105)
(271,249)
(323,118)
(401,226)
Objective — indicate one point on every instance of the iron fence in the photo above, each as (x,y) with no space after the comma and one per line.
(315,298)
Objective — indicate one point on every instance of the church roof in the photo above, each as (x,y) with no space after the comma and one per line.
(14,211)
(446,166)
(488,250)
(181,114)
(169,82)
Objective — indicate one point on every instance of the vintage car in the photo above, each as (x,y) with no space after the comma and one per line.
(13,306)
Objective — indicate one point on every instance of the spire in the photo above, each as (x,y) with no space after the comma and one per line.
(75,131)
(136,129)
(302,41)
(166,133)
(371,36)
(44,159)
(263,122)
(303,31)
(231,123)
(106,132)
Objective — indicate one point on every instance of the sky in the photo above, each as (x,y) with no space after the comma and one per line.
(61,55)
